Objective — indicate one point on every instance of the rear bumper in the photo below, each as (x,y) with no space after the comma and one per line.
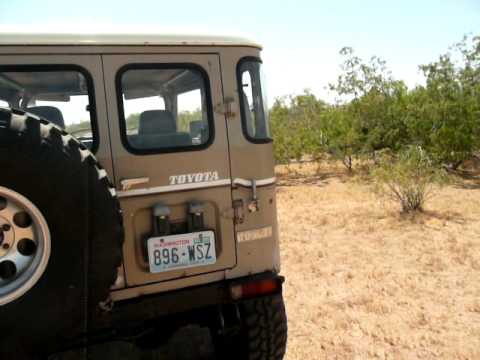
(141,309)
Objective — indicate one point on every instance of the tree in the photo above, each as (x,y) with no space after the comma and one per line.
(343,138)
(373,105)
(375,113)
(296,124)
(451,104)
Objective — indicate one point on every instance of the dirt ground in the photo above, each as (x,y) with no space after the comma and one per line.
(365,282)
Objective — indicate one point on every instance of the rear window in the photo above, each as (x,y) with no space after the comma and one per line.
(164,108)
(61,94)
(253,100)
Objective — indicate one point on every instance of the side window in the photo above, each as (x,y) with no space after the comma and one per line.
(61,94)
(164,108)
(253,102)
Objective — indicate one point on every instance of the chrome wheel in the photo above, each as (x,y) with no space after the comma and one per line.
(24,245)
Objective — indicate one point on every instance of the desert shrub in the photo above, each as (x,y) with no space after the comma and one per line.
(408,177)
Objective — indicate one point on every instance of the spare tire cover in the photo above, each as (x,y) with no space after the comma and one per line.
(63,180)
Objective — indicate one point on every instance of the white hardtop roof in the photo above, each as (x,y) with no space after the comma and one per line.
(142,39)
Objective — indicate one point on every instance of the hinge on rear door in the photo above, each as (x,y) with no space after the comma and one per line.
(238,213)
(226,108)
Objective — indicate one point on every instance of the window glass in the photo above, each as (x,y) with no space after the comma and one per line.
(165,108)
(253,100)
(60,96)
(3,103)
(190,116)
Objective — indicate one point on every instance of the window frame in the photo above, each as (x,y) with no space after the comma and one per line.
(160,66)
(251,139)
(66,67)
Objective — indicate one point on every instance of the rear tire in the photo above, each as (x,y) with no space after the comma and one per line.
(264,328)
(263,331)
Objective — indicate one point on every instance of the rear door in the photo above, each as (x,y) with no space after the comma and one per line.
(170,152)
(252,166)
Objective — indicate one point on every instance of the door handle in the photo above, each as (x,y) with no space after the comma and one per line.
(127,184)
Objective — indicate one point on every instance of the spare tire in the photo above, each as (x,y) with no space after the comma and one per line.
(61,235)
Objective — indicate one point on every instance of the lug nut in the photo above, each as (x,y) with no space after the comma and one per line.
(6,227)
(6,246)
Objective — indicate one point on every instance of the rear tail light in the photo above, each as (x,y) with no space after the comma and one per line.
(255,288)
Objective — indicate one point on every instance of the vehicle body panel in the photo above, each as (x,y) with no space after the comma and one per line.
(231,154)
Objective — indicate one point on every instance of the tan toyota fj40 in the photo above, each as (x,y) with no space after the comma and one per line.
(137,195)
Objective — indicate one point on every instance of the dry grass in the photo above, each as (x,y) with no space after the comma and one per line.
(365,282)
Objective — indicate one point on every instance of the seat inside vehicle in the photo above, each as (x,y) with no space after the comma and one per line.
(156,122)
(158,129)
(51,113)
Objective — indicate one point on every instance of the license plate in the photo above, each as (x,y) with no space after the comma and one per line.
(181,251)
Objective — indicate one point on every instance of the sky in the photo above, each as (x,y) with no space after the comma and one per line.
(301,38)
